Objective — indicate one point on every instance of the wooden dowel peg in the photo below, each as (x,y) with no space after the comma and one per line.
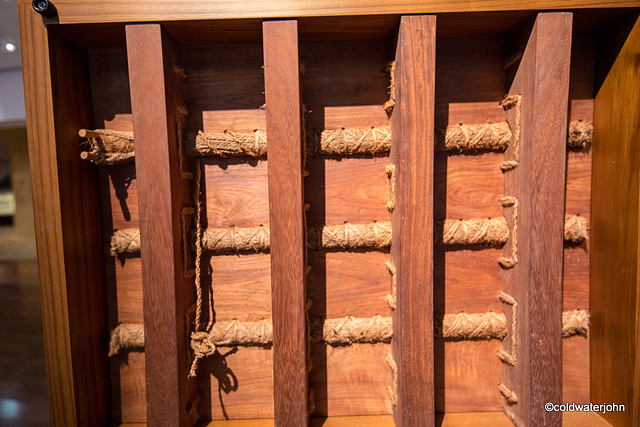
(87,133)
(87,155)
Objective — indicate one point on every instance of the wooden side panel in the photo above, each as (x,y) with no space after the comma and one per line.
(286,220)
(537,183)
(412,124)
(67,225)
(615,375)
(155,94)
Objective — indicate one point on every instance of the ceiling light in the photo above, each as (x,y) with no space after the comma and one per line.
(10,47)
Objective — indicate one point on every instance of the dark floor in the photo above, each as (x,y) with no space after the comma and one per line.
(23,390)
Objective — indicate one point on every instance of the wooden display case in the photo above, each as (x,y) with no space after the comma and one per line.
(506,123)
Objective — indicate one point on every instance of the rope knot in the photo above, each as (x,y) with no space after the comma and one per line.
(201,345)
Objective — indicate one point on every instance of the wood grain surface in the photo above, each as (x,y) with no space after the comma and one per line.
(542,79)
(110,93)
(615,295)
(224,88)
(412,124)
(67,225)
(344,85)
(468,419)
(70,11)
(355,189)
(155,94)
(123,276)
(286,221)
(237,383)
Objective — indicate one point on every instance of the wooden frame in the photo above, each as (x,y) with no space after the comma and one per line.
(70,246)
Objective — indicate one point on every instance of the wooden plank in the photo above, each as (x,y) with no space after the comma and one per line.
(537,183)
(412,124)
(155,94)
(110,88)
(73,12)
(615,280)
(498,419)
(347,189)
(128,388)
(286,199)
(345,84)
(467,186)
(236,383)
(123,283)
(111,104)
(460,419)
(67,225)
(575,283)
(225,84)
(575,370)
(466,375)
(350,380)
(351,421)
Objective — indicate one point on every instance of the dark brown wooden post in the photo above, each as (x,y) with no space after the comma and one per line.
(286,221)
(155,94)
(412,129)
(534,174)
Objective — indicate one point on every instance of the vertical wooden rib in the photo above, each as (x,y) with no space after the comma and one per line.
(412,124)
(615,284)
(155,93)
(67,224)
(286,199)
(537,183)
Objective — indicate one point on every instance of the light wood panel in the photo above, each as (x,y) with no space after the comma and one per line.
(575,370)
(237,192)
(615,298)
(155,94)
(236,383)
(67,225)
(467,373)
(349,380)
(286,200)
(412,124)
(128,388)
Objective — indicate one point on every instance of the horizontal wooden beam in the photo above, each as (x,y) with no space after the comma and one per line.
(74,12)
